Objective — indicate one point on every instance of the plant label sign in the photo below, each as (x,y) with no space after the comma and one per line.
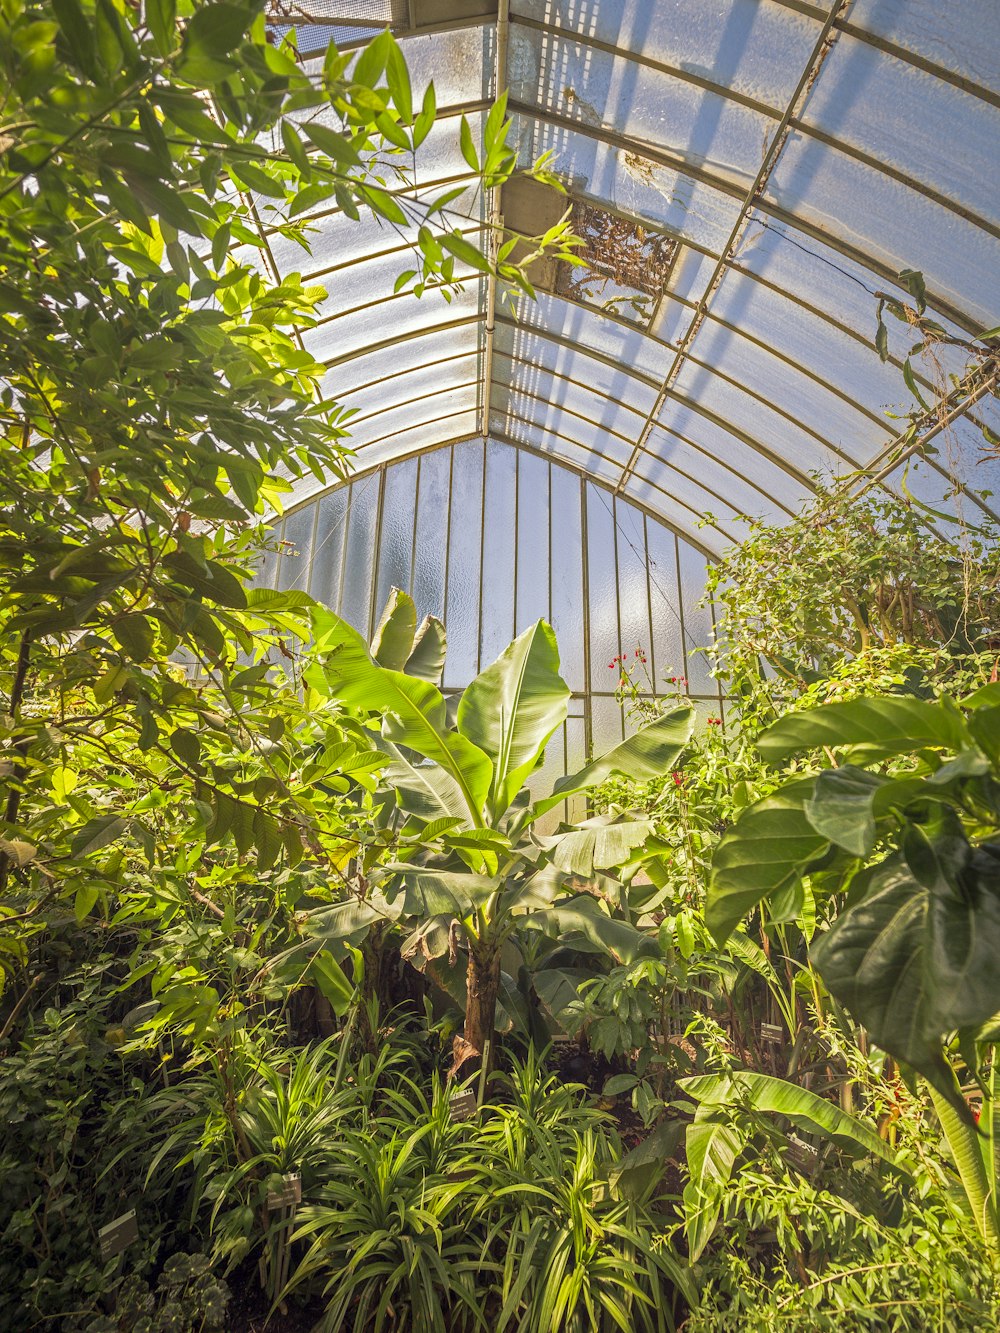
(118,1235)
(463,1106)
(289,1193)
(772,1033)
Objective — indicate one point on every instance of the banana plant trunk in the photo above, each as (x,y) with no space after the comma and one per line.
(482,987)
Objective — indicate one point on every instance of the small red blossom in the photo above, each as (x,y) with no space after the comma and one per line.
(611,666)
(678,779)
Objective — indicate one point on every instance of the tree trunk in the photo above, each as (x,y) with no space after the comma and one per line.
(482,988)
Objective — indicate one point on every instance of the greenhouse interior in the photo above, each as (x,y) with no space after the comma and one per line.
(500,670)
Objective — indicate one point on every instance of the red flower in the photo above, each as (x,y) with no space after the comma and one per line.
(678,779)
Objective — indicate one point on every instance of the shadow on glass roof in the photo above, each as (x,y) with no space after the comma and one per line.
(749,176)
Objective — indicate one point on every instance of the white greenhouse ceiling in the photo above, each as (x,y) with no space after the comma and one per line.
(750,176)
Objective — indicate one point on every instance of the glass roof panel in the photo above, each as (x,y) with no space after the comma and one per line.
(350,334)
(969,47)
(752,47)
(899,228)
(736,469)
(576,82)
(781,436)
(909,120)
(535,352)
(631,180)
(751,363)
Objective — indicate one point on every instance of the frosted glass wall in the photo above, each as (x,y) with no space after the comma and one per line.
(491,538)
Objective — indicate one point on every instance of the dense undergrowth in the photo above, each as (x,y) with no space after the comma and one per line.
(297,960)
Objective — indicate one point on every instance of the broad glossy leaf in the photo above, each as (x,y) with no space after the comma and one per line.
(963,952)
(582,923)
(450,893)
(414,710)
(346,924)
(427,791)
(840,808)
(884,726)
(512,709)
(328,976)
(766,851)
(97,833)
(214,30)
(873,960)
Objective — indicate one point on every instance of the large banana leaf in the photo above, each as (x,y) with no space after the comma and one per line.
(512,708)
(583,924)
(426,790)
(712,1146)
(776,1096)
(429,649)
(393,639)
(451,893)
(647,754)
(414,710)
(597,844)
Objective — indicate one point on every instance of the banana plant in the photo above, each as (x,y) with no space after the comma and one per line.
(471,867)
(730,1108)
(898,825)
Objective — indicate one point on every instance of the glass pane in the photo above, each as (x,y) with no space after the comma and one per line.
(605,642)
(328,554)
(499,535)
(697,620)
(431,546)
(532,541)
(464,563)
(666,655)
(896,226)
(396,540)
(359,564)
(970,47)
(606,725)
(567,575)
(293,572)
(633,589)
(267,564)
(758,49)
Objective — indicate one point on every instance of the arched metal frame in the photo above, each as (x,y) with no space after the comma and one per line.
(492,537)
(797,156)
(800,155)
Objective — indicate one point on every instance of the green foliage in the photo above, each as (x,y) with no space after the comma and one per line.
(72,1156)
(912,954)
(157,402)
(443,1221)
(471,868)
(857,594)
(189,1298)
